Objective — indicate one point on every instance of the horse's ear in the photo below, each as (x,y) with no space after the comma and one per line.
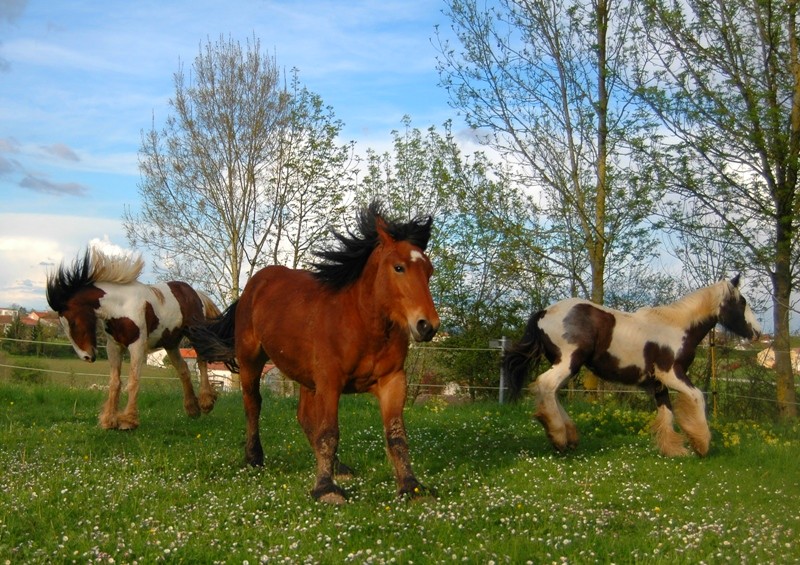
(735,280)
(383,231)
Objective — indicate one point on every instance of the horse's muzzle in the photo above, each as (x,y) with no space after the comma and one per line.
(424,330)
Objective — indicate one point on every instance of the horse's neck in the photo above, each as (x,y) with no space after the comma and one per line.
(697,313)
(373,313)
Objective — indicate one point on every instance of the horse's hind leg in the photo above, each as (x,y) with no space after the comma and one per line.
(318,415)
(670,442)
(250,376)
(208,395)
(190,404)
(559,427)
(108,415)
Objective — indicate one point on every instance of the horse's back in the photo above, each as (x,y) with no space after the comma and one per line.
(310,331)
(278,314)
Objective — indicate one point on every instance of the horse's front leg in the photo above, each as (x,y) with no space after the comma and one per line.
(129,418)
(690,409)
(190,404)
(318,414)
(391,394)
(108,415)
(670,442)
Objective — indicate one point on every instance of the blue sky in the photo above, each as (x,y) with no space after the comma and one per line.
(80,80)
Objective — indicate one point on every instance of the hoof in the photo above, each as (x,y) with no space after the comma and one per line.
(333,498)
(416,491)
(207,401)
(700,450)
(561,447)
(128,424)
(329,493)
(192,408)
(108,422)
(572,437)
(254,455)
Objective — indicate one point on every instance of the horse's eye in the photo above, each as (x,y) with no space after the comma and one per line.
(399,268)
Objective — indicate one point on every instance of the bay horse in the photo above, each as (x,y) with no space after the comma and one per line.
(341,327)
(651,348)
(101,293)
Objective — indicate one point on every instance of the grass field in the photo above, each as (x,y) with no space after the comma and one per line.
(177,490)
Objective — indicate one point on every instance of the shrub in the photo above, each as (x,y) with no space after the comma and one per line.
(29,371)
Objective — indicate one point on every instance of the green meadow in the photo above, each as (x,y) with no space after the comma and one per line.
(177,490)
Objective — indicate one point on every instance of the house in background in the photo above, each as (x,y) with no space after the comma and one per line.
(221,377)
(46,318)
(766,357)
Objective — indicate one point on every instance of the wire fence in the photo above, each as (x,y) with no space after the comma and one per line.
(736,385)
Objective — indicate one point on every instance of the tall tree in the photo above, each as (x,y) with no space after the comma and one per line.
(312,175)
(724,78)
(487,278)
(483,264)
(226,184)
(540,76)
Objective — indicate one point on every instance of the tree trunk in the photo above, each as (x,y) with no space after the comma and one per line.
(784,382)
(598,253)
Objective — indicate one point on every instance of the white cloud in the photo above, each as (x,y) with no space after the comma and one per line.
(31,245)
(110,249)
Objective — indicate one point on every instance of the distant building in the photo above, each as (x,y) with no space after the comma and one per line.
(221,377)
(46,318)
(766,357)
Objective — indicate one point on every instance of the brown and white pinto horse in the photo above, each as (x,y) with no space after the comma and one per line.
(651,348)
(99,293)
(343,327)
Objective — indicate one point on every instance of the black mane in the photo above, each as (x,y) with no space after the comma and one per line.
(65,282)
(343,266)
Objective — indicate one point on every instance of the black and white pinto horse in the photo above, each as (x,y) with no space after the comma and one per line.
(651,348)
(100,293)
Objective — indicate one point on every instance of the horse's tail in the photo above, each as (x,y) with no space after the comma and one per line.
(517,358)
(214,339)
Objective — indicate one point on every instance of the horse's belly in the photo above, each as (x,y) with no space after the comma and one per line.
(610,368)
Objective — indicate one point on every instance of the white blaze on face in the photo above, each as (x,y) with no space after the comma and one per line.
(417,256)
(84,355)
(750,318)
